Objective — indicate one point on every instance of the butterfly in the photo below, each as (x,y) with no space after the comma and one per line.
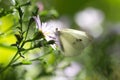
(72,42)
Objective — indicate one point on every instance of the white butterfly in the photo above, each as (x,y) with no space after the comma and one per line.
(72,42)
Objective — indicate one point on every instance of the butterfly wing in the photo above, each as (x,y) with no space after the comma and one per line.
(73,41)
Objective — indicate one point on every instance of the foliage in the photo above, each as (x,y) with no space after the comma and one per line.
(26,54)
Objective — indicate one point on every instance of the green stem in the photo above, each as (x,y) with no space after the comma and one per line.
(20,63)
(23,53)
(30,22)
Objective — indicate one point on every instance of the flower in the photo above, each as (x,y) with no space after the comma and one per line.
(49,29)
(40,6)
(91,21)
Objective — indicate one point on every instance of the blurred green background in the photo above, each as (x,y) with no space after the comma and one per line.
(99,61)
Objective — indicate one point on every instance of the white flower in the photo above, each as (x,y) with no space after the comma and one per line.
(91,21)
(49,28)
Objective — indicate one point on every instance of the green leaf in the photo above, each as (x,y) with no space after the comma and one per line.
(26,62)
(18,37)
